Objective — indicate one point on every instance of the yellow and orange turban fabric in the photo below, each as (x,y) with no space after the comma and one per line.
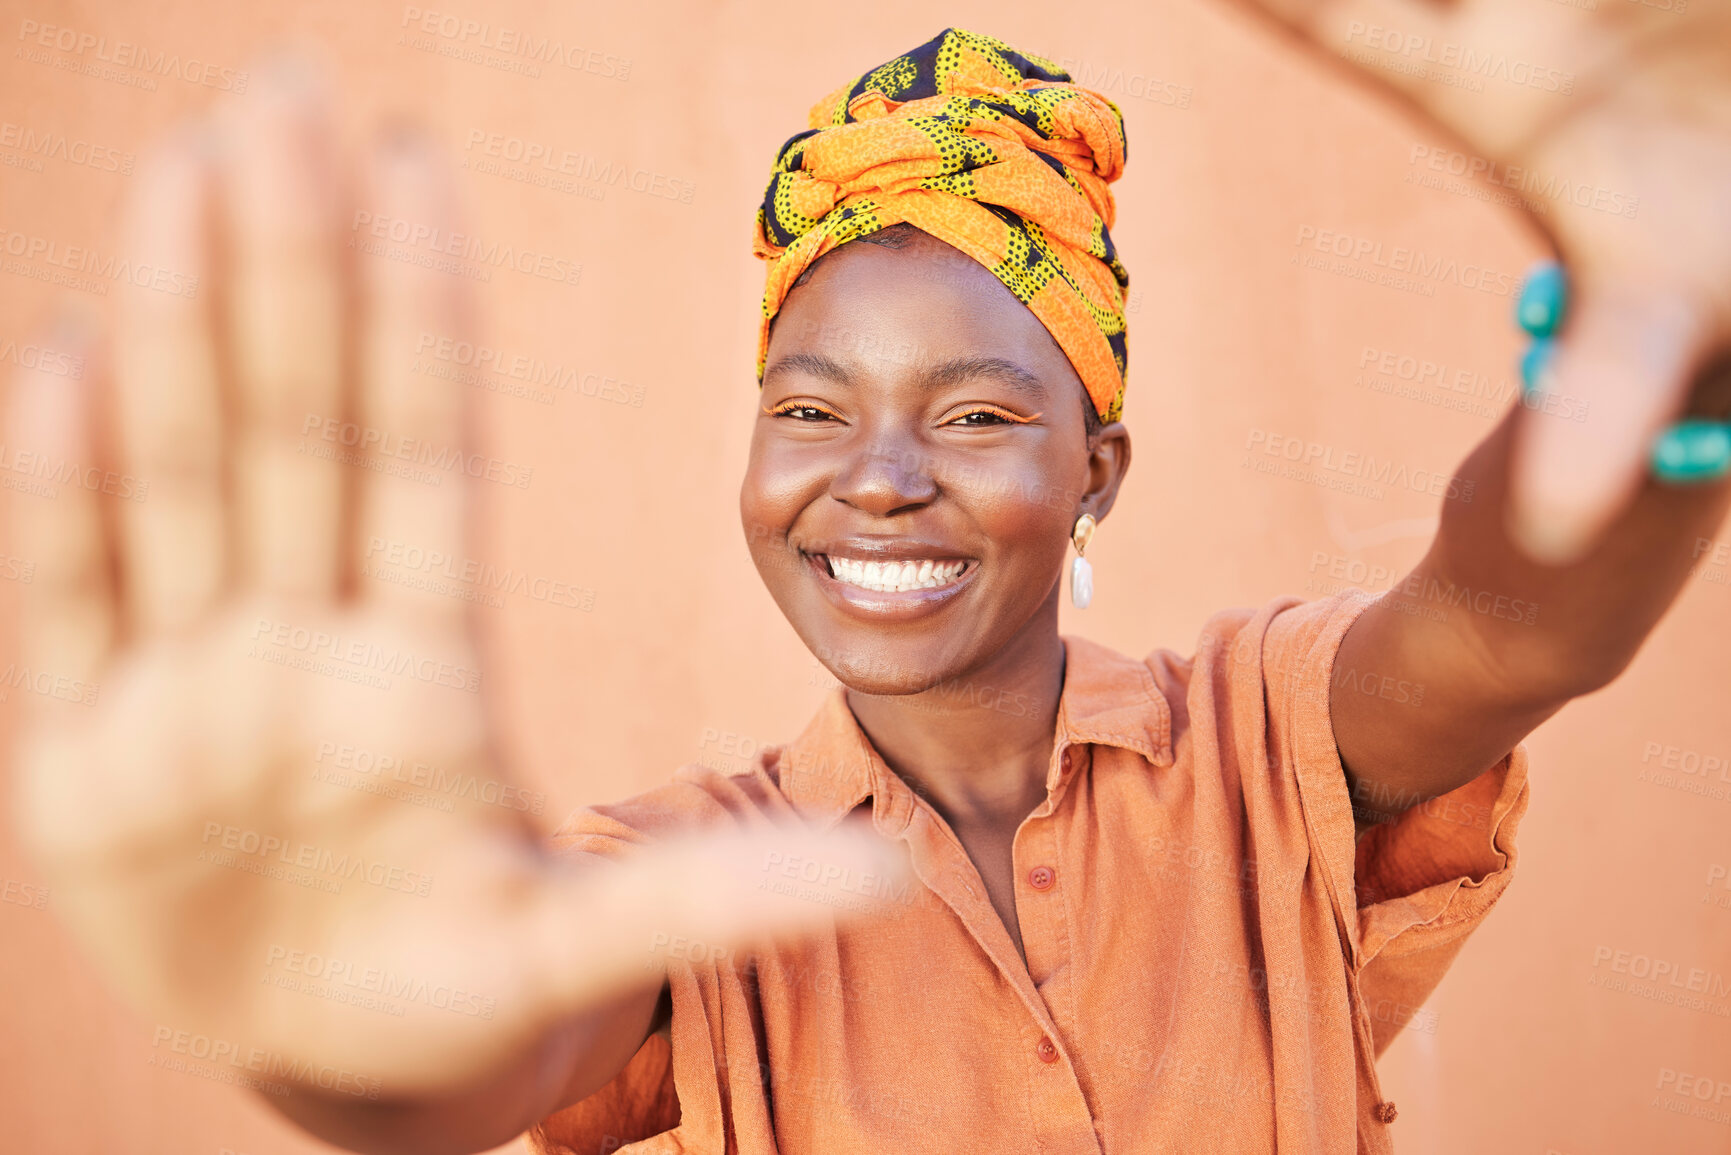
(992,150)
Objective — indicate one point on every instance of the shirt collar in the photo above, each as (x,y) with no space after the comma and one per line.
(1108,700)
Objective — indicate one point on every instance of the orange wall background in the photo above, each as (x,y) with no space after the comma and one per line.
(1239,144)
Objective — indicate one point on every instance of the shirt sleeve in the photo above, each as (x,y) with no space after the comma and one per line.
(638,1104)
(1411,890)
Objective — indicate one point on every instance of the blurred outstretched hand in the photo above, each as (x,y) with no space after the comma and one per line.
(1626,95)
(184,820)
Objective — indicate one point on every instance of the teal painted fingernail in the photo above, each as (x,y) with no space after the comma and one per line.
(1692,451)
(1535,365)
(1544,299)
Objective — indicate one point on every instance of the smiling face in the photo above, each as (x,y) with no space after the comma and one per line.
(918,465)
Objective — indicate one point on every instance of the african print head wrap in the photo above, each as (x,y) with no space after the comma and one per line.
(992,150)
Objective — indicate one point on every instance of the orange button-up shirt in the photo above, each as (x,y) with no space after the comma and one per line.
(1212,962)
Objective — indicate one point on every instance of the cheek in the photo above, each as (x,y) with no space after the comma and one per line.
(1029,542)
(1030,513)
(775,489)
(1037,540)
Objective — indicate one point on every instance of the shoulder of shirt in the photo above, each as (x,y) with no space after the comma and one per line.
(1276,640)
(1244,633)
(697,796)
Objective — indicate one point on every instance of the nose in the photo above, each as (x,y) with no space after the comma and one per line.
(886,478)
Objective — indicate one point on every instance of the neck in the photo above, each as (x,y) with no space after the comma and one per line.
(977,746)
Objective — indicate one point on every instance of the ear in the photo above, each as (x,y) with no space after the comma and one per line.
(1108,462)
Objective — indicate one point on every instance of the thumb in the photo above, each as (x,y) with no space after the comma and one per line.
(1615,377)
(703,897)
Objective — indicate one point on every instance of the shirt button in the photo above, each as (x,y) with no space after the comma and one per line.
(1042,877)
(1047,1051)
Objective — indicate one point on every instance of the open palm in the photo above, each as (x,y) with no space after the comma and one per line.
(211,824)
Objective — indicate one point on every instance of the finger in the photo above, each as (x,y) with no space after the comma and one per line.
(1626,356)
(412,502)
(169,411)
(68,619)
(1387,39)
(286,306)
(615,927)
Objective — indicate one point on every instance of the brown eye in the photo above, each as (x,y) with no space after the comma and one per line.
(976,418)
(805,413)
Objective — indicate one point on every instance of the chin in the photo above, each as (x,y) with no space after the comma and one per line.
(878,661)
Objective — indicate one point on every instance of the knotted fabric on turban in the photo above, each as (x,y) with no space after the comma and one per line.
(992,150)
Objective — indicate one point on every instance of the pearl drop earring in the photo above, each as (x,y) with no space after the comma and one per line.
(1081,570)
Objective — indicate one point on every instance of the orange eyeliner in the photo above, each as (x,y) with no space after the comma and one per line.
(787,406)
(1003,414)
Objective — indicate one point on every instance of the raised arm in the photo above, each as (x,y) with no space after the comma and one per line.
(1568,553)
(403,978)
(1501,642)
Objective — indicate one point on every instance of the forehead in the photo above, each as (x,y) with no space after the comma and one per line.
(921,302)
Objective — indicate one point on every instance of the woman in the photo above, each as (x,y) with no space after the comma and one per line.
(1008,891)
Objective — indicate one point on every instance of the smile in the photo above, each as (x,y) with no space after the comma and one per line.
(896,576)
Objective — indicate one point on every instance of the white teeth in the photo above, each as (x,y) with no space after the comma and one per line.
(895,577)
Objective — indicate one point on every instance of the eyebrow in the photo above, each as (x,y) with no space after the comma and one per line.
(951,372)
